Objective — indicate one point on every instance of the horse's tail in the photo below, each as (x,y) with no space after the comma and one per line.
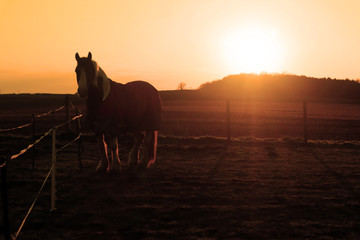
(152,148)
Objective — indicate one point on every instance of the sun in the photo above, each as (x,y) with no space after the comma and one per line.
(252,50)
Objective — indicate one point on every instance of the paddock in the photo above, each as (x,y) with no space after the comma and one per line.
(202,188)
(263,184)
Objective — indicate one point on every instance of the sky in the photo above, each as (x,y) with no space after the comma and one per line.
(167,42)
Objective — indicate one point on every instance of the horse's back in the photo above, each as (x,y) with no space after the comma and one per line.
(144,106)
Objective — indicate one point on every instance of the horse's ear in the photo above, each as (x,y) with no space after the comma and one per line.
(89,56)
(77,56)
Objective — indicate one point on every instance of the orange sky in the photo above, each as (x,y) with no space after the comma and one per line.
(167,42)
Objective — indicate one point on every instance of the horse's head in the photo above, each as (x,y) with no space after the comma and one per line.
(86,74)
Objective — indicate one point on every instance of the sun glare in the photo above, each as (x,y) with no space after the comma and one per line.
(252,50)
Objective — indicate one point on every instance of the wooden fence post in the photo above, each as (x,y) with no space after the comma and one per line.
(53,172)
(78,129)
(33,138)
(228,120)
(67,109)
(305,122)
(5,207)
(53,117)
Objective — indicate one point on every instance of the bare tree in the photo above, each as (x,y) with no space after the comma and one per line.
(181,86)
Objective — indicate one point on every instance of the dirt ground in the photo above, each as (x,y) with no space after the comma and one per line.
(199,188)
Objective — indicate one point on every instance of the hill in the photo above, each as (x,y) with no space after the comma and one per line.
(282,87)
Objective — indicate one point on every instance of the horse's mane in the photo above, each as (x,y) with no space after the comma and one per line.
(96,94)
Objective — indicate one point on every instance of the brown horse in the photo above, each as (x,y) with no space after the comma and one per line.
(115,108)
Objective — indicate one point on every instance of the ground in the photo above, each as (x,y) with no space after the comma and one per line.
(264,184)
(199,188)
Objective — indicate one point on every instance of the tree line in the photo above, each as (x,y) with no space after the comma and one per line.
(282,87)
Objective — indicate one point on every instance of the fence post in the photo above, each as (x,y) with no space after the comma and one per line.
(53,172)
(228,120)
(78,129)
(5,207)
(52,116)
(67,109)
(305,122)
(33,139)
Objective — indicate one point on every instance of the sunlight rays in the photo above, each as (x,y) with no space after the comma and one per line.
(252,50)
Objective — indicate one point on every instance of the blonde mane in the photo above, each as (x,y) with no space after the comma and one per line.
(105,80)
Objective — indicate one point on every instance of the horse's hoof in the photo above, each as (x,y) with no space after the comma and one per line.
(117,168)
(101,169)
(132,165)
(124,165)
(142,166)
(150,165)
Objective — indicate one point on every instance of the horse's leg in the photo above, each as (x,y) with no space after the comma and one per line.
(134,154)
(117,151)
(114,145)
(102,148)
(150,145)
(108,140)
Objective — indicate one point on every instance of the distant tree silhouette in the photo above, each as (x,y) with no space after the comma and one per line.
(282,87)
(181,86)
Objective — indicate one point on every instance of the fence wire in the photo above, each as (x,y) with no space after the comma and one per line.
(68,121)
(33,204)
(51,169)
(49,112)
(15,128)
(69,143)
(41,138)
(35,116)
(30,145)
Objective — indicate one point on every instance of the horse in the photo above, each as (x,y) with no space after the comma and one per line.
(114,109)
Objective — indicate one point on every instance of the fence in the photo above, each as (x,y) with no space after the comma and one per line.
(35,119)
(37,116)
(5,160)
(242,120)
(228,123)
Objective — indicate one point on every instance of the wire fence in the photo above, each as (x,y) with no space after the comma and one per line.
(34,116)
(5,160)
(236,119)
(15,128)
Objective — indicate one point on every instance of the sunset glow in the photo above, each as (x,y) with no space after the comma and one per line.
(168,42)
(253,50)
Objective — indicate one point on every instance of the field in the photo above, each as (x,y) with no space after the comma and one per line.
(265,184)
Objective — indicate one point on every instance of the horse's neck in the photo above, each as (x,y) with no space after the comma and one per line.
(97,95)
(105,84)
